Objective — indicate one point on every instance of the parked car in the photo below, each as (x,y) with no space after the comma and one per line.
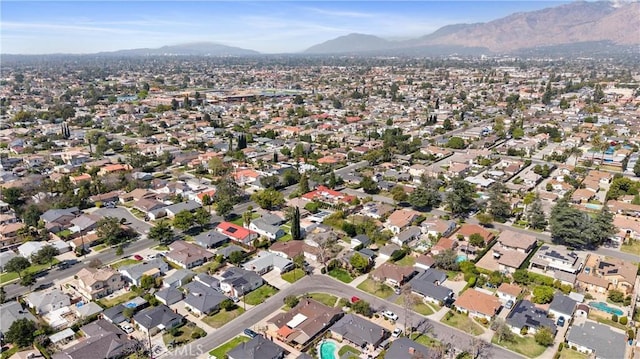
(354,299)
(127,328)
(396,332)
(509,304)
(250,333)
(560,322)
(138,257)
(397,290)
(390,315)
(235,299)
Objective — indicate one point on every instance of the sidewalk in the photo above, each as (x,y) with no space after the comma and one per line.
(358,280)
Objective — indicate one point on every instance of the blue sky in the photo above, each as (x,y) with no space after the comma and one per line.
(30,27)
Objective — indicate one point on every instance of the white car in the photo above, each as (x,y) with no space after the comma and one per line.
(390,315)
(396,332)
(127,328)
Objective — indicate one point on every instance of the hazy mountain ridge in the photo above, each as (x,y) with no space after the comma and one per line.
(190,49)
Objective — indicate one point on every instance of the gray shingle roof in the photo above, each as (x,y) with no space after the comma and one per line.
(154,316)
(169,295)
(257,348)
(10,312)
(607,344)
(405,348)
(210,239)
(359,330)
(563,304)
(524,313)
(427,283)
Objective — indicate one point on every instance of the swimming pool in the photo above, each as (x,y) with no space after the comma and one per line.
(593,206)
(328,350)
(605,308)
(461,258)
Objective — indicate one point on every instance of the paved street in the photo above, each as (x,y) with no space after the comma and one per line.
(326,284)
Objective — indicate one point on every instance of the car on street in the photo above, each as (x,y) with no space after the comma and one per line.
(396,332)
(138,257)
(390,315)
(250,333)
(354,299)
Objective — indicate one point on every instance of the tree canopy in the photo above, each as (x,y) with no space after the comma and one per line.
(162,232)
(572,227)
(268,198)
(21,332)
(461,198)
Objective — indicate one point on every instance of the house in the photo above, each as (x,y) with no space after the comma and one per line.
(263,228)
(361,240)
(11,312)
(136,195)
(86,310)
(47,301)
(84,223)
(562,306)
(392,274)
(30,248)
(156,319)
(257,348)
(508,260)
(358,331)
(115,314)
(600,339)
(176,208)
(428,284)
(95,283)
(226,251)
(424,262)
(557,258)
(508,292)
(602,274)
(210,239)
(444,244)
(478,304)
(114,168)
(407,235)
(59,219)
(208,280)
(385,252)
(467,229)
(178,278)
(327,195)
(187,255)
(237,281)
(150,206)
(153,268)
(437,227)
(526,314)
(169,295)
(291,249)
(304,322)
(237,233)
(517,241)
(9,234)
(401,219)
(266,261)
(405,348)
(202,299)
(6,257)
(101,339)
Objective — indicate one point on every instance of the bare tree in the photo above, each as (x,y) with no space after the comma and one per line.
(478,348)
(409,301)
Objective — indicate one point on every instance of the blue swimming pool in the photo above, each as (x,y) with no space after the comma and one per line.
(605,308)
(461,258)
(328,350)
(593,206)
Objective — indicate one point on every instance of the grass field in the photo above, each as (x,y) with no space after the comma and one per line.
(633,248)
(568,353)
(324,298)
(379,290)
(185,336)
(259,295)
(424,339)
(349,349)
(108,303)
(222,317)
(463,323)
(209,267)
(294,275)
(407,261)
(221,351)
(37,268)
(341,275)
(124,262)
(421,307)
(526,346)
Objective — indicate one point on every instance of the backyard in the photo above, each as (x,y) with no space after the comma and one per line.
(108,303)
(526,346)
(326,299)
(349,349)
(406,261)
(376,288)
(209,267)
(294,275)
(462,322)
(221,351)
(341,275)
(222,317)
(259,295)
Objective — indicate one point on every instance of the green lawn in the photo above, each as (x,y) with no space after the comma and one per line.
(185,334)
(349,349)
(286,238)
(341,275)
(605,319)
(99,247)
(294,275)
(37,268)
(209,267)
(407,261)
(463,323)
(222,317)
(139,214)
(421,307)
(240,221)
(379,290)
(124,262)
(424,339)
(108,303)
(526,346)
(221,351)
(568,353)
(324,298)
(161,247)
(259,295)
(633,248)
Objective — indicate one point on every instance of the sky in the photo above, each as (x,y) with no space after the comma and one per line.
(44,27)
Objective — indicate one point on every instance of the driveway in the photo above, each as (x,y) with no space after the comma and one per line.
(274,278)
(139,226)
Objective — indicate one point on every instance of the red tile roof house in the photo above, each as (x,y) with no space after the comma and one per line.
(392,274)
(467,229)
(400,219)
(327,195)
(237,233)
(478,304)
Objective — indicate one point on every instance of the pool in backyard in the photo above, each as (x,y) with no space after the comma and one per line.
(328,349)
(605,308)
(461,258)
(595,206)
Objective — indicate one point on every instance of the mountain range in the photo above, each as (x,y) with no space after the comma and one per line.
(190,49)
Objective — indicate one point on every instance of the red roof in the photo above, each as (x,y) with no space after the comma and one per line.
(323,192)
(233,230)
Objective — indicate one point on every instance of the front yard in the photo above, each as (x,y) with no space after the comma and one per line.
(568,353)
(34,269)
(633,248)
(293,276)
(259,295)
(123,263)
(424,339)
(526,346)
(222,317)
(183,334)
(462,322)
(221,351)
(422,307)
(341,275)
(324,298)
(108,303)
(376,288)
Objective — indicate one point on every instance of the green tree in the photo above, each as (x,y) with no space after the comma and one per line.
(399,194)
(21,332)
(291,301)
(368,185)
(542,294)
(3,295)
(202,217)
(359,263)
(224,207)
(476,240)
(217,167)
(236,257)
(17,265)
(544,336)
(521,276)
(446,260)
(568,225)
(247,217)
(535,215)
(183,220)
(636,169)
(426,195)
(456,143)
(616,296)
(45,255)
(27,280)
(162,232)
(362,307)
(13,196)
(128,312)
(499,208)
(268,198)
(502,330)
(303,185)
(227,305)
(111,232)
(147,282)
(31,215)
(296,231)
(461,198)
(600,228)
